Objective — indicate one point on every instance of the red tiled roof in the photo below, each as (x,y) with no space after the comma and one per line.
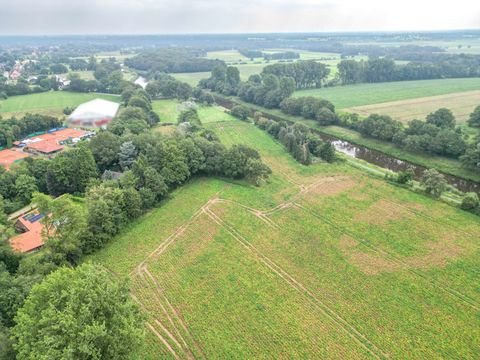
(46,147)
(8,157)
(29,240)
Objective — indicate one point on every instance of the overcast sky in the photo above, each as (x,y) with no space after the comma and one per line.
(232,16)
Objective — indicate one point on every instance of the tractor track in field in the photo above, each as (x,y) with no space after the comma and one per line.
(349,329)
(465,299)
(264,216)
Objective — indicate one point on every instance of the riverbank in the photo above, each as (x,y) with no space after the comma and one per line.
(445,165)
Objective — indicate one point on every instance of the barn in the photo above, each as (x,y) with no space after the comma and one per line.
(93,114)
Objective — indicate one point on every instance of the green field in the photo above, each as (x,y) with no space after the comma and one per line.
(48,103)
(367,94)
(321,262)
(167,110)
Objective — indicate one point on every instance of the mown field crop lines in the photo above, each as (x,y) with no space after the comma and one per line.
(459,296)
(172,331)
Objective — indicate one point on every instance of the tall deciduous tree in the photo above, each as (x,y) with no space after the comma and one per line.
(78,314)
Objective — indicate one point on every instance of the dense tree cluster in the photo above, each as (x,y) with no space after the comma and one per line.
(22,88)
(224,80)
(306,74)
(172,60)
(298,140)
(97,316)
(377,69)
(437,135)
(268,90)
(166,86)
(311,108)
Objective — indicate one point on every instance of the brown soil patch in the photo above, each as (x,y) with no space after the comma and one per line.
(440,253)
(331,186)
(383,212)
(369,264)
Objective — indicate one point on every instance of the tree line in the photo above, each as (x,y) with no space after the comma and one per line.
(376,70)
(172,60)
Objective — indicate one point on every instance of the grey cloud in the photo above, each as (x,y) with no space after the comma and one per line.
(187,16)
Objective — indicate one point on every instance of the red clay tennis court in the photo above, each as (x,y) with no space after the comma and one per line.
(8,157)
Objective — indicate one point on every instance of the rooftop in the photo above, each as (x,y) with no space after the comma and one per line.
(31,239)
(95,108)
(50,142)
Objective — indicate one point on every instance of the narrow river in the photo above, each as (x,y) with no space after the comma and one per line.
(372,156)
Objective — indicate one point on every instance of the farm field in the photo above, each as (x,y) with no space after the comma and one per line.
(48,103)
(462,105)
(367,94)
(321,262)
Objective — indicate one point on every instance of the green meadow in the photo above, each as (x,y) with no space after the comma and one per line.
(323,261)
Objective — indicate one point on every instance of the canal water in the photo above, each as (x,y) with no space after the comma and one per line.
(372,156)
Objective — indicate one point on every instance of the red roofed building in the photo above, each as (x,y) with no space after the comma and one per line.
(44,147)
(51,143)
(31,237)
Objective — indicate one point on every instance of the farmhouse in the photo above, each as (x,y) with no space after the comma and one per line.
(93,114)
(30,229)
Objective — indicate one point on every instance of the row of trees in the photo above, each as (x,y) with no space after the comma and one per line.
(298,140)
(277,55)
(172,60)
(268,90)
(311,108)
(436,135)
(385,69)
(306,74)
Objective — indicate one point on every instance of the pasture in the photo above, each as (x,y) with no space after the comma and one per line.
(462,105)
(323,261)
(367,94)
(48,103)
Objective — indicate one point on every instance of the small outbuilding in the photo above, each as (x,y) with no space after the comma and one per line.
(93,114)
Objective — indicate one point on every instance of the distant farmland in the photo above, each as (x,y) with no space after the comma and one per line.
(367,94)
(47,103)
(461,104)
(323,261)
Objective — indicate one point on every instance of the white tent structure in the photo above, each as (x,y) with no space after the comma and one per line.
(93,114)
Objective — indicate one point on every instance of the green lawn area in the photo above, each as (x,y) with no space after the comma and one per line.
(323,261)
(166,109)
(212,114)
(191,78)
(84,75)
(366,94)
(48,103)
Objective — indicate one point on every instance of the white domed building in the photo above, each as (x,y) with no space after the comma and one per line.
(97,113)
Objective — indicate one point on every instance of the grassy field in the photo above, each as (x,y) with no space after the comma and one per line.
(462,105)
(321,262)
(166,109)
(367,94)
(48,103)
